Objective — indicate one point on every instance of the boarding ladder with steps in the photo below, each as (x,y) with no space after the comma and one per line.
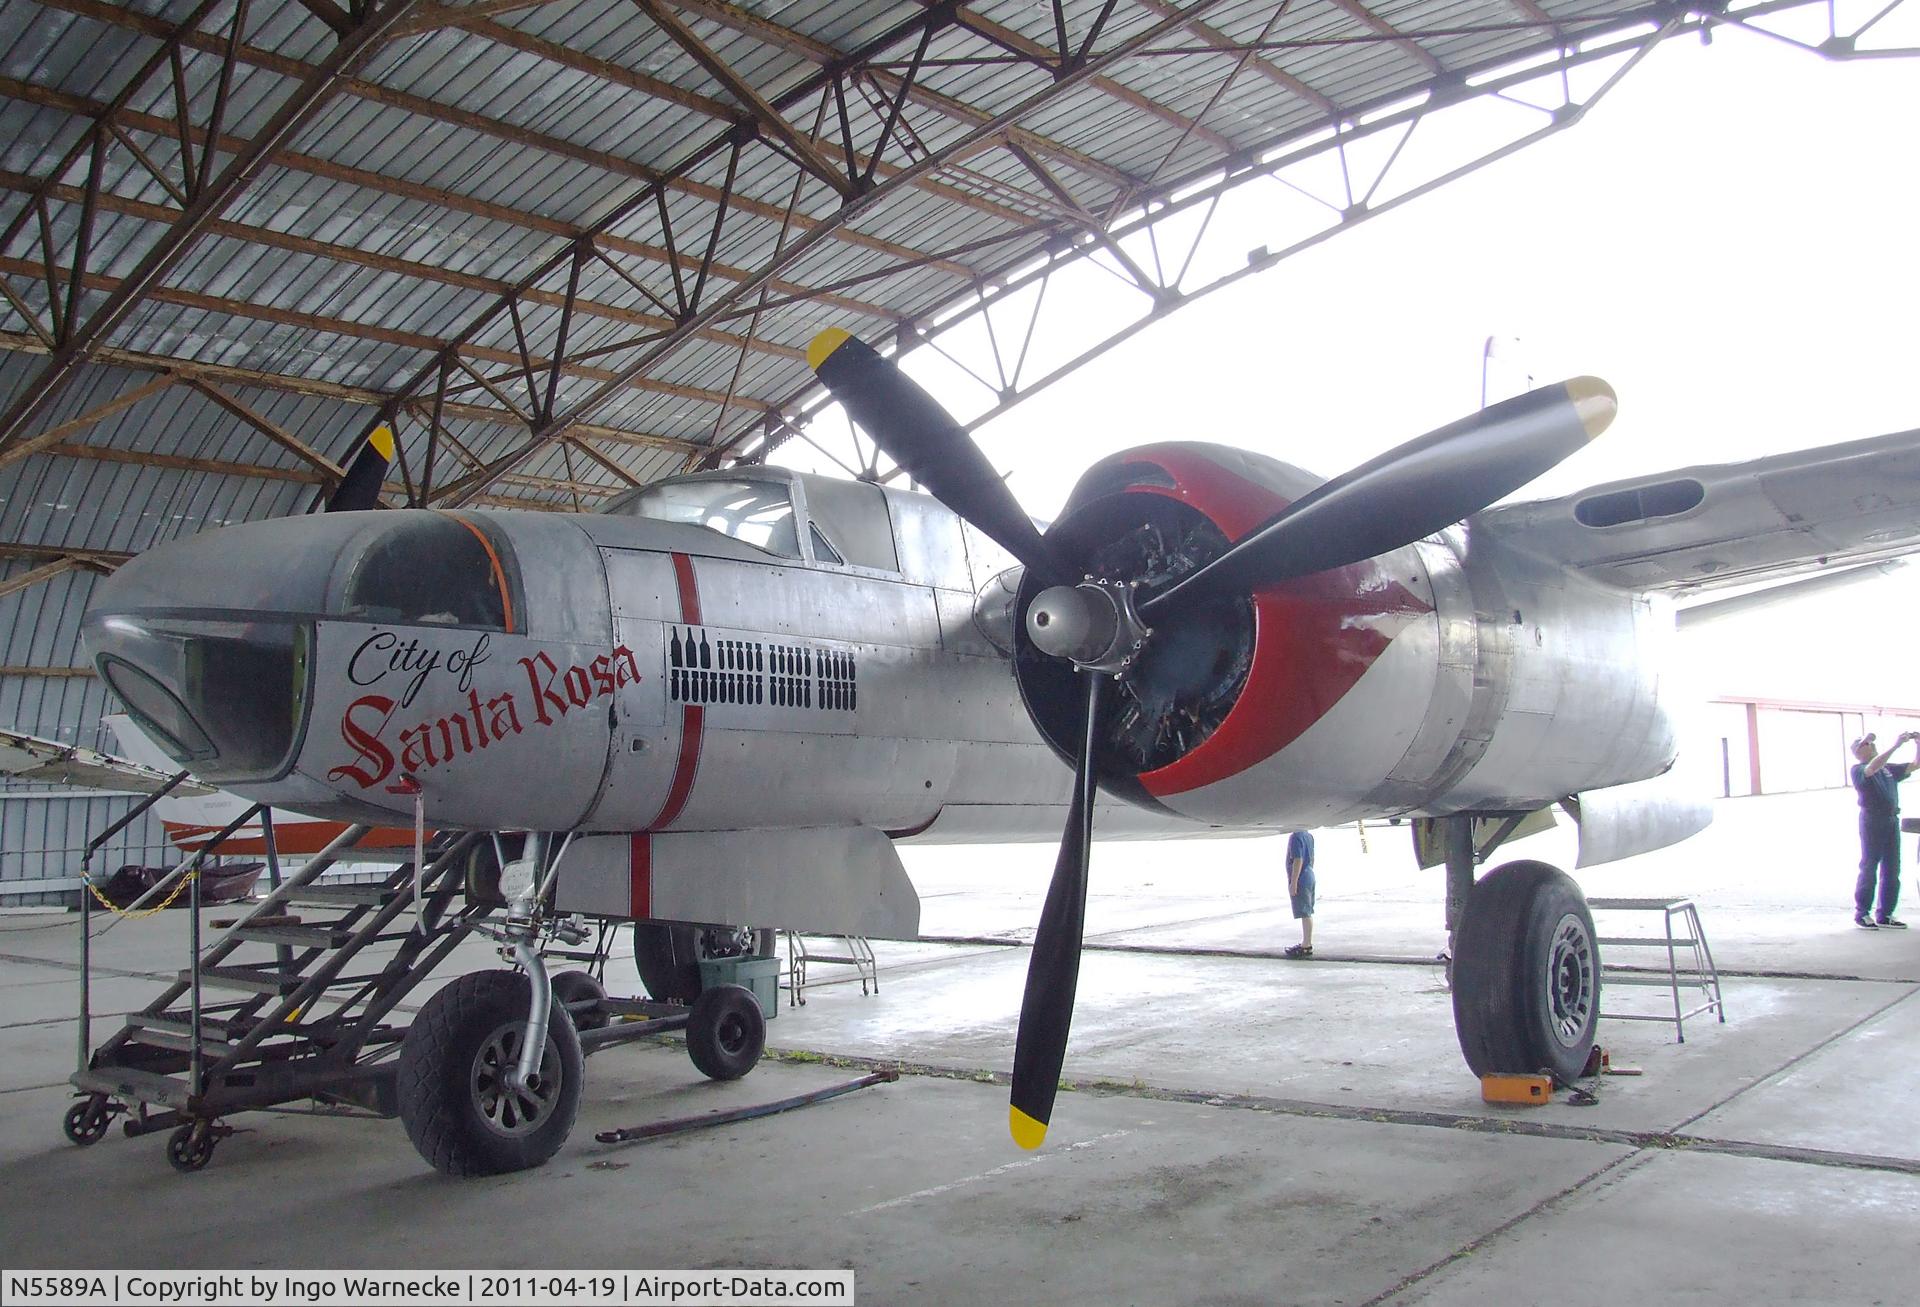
(317,969)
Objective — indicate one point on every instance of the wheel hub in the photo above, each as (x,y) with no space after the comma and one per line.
(1572,980)
(1093,625)
(501,1103)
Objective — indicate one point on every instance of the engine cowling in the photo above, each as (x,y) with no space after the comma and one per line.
(1221,716)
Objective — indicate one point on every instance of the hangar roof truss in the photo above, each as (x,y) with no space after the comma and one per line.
(569,246)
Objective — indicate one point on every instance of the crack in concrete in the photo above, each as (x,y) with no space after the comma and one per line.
(1640,1140)
(1092,945)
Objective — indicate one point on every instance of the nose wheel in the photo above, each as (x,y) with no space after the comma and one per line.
(460,1099)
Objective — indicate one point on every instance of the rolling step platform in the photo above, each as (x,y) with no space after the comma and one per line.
(1688,961)
(290,1023)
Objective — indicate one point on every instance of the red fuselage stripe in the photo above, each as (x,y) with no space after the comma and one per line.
(689,589)
(692,716)
(640,876)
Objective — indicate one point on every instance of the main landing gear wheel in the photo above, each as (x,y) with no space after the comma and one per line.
(668,957)
(1526,976)
(458,1098)
(583,997)
(86,1121)
(726,1032)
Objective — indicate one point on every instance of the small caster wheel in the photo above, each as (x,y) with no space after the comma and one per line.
(190,1148)
(86,1121)
(726,1032)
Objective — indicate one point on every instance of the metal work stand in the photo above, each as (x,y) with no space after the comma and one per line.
(1689,960)
(843,951)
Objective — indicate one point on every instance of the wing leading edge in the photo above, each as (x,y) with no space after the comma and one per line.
(1704,528)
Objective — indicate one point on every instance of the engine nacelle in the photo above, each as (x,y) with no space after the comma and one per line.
(1379,687)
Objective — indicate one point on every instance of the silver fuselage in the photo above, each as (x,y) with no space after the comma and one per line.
(657,676)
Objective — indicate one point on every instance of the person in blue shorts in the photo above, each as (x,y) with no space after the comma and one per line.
(1877,781)
(1300,889)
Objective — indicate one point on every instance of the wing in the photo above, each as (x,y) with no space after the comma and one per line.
(30,758)
(1702,528)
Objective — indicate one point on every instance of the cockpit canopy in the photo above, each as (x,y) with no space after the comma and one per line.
(786,514)
(753,511)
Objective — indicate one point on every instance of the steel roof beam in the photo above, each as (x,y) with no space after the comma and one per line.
(105,559)
(1264,67)
(1058,62)
(312,389)
(433,17)
(762,114)
(924,166)
(261,472)
(372,24)
(371,332)
(272,239)
(718,110)
(386,185)
(55,434)
(1412,49)
(785,38)
(131,20)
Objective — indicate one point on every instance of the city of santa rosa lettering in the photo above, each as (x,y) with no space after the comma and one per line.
(551,693)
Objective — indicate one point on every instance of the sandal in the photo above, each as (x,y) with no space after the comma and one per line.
(1300,951)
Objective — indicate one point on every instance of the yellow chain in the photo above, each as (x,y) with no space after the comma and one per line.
(164,904)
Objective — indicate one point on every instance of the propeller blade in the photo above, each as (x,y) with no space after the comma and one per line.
(1053,972)
(1406,494)
(360,487)
(923,438)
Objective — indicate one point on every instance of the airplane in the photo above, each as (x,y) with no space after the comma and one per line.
(729,696)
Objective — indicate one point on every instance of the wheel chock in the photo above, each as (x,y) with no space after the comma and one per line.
(1525,1090)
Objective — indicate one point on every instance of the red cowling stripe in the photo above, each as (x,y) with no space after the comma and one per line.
(1314,636)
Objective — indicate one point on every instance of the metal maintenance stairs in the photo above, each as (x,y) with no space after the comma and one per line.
(1689,962)
(310,1019)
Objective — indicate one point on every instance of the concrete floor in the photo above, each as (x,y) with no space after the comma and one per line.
(1243,1129)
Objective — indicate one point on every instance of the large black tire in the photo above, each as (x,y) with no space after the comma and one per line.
(1526,974)
(726,1032)
(668,955)
(454,1066)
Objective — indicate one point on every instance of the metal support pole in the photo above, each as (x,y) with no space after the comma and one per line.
(193,906)
(282,953)
(86,963)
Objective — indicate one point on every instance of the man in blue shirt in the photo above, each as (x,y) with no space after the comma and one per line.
(1300,889)
(1876,781)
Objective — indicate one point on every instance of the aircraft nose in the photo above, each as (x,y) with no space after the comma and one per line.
(205,641)
(208,640)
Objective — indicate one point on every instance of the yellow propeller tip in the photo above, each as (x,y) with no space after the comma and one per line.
(1595,402)
(1027,1132)
(382,441)
(824,344)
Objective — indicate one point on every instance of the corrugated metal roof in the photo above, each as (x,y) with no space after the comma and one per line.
(455,166)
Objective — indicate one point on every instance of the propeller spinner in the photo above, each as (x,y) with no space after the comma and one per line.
(1103,627)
